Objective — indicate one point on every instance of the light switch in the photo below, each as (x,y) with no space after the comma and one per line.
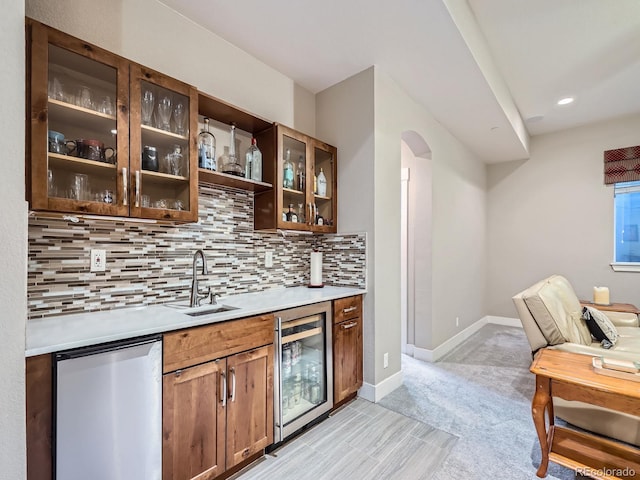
(268,259)
(98,260)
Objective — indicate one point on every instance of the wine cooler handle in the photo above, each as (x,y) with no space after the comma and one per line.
(350,309)
(125,187)
(347,326)
(137,188)
(233,384)
(223,393)
(279,354)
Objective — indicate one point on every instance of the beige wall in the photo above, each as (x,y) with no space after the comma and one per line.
(13,237)
(345,119)
(369,174)
(458,214)
(150,33)
(553,214)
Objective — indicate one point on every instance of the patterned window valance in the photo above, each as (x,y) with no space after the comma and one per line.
(622,165)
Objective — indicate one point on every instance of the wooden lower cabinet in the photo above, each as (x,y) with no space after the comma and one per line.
(193,422)
(249,404)
(347,349)
(219,413)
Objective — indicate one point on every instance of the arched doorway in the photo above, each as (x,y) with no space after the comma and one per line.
(416,208)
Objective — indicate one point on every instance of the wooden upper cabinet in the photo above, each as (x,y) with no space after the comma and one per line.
(164,124)
(80,157)
(299,161)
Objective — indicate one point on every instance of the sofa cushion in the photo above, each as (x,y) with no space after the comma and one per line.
(557,311)
(600,326)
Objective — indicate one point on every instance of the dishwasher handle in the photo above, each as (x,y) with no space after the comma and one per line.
(110,347)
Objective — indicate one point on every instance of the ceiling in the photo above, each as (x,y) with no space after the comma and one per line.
(484,68)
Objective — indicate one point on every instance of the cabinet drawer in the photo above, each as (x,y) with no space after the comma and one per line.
(193,346)
(346,308)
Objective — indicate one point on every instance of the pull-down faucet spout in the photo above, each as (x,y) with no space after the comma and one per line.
(196,295)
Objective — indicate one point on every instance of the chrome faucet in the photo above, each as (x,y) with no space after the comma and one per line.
(196,294)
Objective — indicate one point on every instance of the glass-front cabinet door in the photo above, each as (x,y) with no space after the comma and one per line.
(163,147)
(324,187)
(306,193)
(293,200)
(78,102)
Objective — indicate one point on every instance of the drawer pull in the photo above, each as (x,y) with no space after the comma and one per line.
(233,384)
(350,309)
(347,326)
(223,393)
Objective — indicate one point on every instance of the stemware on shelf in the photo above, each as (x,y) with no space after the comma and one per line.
(147,107)
(178,118)
(164,112)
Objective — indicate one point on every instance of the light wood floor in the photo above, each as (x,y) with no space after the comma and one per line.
(362,441)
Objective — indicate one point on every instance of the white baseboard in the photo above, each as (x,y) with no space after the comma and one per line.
(375,393)
(444,348)
(506,321)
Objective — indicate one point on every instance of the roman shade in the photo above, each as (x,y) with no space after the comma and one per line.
(622,165)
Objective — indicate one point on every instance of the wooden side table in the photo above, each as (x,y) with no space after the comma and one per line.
(612,307)
(570,376)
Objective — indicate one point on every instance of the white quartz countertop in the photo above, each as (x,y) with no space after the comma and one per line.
(54,334)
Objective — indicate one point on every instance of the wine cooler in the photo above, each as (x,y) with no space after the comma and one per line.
(303,390)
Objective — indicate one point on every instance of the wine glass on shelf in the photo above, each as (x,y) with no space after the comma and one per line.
(164,111)
(178,118)
(147,107)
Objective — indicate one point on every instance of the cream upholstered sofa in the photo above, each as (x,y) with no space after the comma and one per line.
(551,313)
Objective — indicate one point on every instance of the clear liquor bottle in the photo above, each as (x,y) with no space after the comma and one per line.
(322,184)
(231,164)
(253,162)
(300,174)
(287,179)
(206,148)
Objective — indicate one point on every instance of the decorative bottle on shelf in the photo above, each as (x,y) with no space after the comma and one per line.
(319,219)
(287,178)
(253,162)
(291,215)
(206,148)
(232,166)
(301,214)
(322,184)
(300,174)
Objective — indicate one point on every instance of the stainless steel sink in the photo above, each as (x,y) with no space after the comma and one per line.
(211,310)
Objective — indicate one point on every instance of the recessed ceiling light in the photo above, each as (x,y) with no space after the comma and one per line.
(566,100)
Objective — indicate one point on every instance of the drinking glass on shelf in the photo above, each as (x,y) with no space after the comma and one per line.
(164,111)
(145,201)
(80,186)
(178,118)
(106,106)
(147,107)
(55,89)
(84,98)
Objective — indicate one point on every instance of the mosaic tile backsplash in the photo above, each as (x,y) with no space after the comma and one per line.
(151,263)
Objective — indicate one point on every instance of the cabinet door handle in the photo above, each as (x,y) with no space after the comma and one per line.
(347,326)
(125,187)
(223,392)
(137,188)
(233,384)
(350,309)
(309,221)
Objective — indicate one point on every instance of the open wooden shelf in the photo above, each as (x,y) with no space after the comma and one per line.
(210,177)
(221,111)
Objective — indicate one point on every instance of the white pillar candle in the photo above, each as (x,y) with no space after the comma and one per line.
(601,295)
(316,269)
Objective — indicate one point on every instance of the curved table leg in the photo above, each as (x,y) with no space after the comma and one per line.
(541,403)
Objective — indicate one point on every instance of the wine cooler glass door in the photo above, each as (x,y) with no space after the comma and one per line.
(305,377)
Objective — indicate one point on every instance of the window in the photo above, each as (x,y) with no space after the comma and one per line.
(626,222)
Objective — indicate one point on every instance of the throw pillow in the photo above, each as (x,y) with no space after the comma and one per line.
(600,326)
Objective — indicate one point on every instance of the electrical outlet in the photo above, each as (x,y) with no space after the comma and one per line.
(457,321)
(268,259)
(385,360)
(98,260)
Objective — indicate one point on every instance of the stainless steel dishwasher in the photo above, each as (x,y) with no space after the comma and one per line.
(108,403)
